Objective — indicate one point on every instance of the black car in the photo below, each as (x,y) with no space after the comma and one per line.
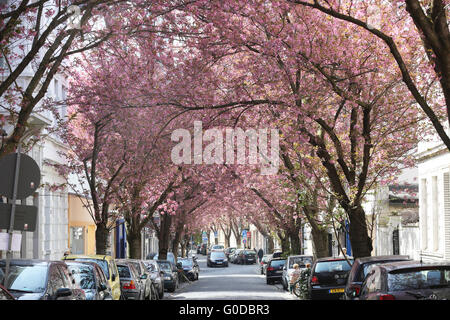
(39,280)
(246,257)
(274,270)
(217,258)
(361,267)
(190,268)
(131,286)
(329,277)
(90,277)
(170,274)
(407,280)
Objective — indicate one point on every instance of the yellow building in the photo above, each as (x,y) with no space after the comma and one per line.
(81,227)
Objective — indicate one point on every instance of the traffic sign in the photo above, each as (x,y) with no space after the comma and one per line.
(29,176)
(25,217)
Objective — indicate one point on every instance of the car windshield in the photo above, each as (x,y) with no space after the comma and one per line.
(249,252)
(367,267)
(186,262)
(84,275)
(165,267)
(218,247)
(277,263)
(102,263)
(31,278)
(124,271)
(170,257)
(333,266)
(419,279)
(218,255)
(150,266)
(301,261)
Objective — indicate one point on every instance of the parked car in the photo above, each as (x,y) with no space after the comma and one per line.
(246,257)
(157,276)
(274,270)
(170,274)
(170,257)
(277,254)
(131,285)
(5,294)
(361,267)
(108,266)
(190,268)
(329,277)
(234,255)
(150,292)
(407,280)
(263,263)
(217,258)
(38,280)
(288,268)
(229,251)
(90,277)
(217,247)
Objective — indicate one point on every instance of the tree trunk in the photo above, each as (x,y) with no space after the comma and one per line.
(270,244)
(285,245)
(320,242)
(101,239)
(134,245)
(164,236)
(296,245)
(359,237)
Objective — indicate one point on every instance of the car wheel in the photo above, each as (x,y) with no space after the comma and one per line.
(268,281)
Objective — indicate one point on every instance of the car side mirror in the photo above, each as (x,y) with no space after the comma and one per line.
(102,287)
(113,277)
(63,292)
(179,265)
(161,273)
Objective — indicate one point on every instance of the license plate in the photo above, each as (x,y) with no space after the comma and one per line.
(219,262)
(337,290)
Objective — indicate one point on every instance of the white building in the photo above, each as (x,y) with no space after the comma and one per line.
(434,200)
(50,239)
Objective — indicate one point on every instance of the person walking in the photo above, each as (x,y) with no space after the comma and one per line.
(294,277)
(260,254)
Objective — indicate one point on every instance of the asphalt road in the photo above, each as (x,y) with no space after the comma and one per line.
(236,282)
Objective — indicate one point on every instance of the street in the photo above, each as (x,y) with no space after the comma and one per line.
(235,282)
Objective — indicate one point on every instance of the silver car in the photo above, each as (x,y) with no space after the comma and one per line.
(288,268)
(156,275)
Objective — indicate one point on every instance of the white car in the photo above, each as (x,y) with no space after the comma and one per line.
(288,268)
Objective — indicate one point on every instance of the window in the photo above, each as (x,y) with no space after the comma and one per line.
(422,278)
(27,278)
(83,275)
(102,263)
(124,271)
(55,281)
(333,266)
(277,263)
(423,213)
(66,278)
